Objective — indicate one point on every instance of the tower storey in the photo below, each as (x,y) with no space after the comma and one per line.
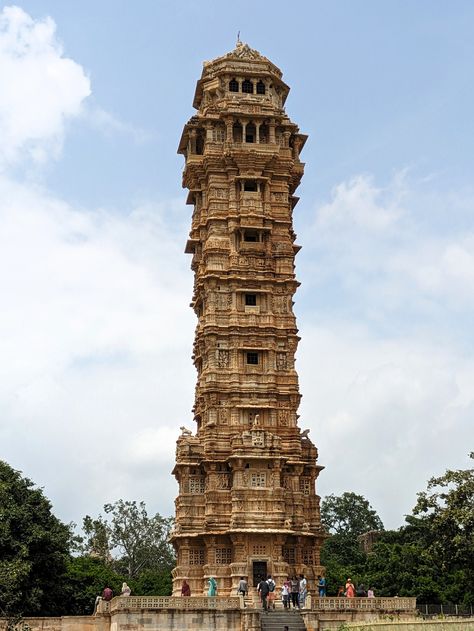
(247,503)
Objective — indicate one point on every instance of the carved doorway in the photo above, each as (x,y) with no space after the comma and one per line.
(259,571)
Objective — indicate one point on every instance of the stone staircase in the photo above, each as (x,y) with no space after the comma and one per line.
(275,620)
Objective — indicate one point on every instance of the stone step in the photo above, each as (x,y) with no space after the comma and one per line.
(276,621)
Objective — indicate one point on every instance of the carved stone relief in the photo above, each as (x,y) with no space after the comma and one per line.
(279,304)
(281,361)
(223,301)
(223,416)
(283,417)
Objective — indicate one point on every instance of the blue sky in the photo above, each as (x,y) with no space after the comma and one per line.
(96,330)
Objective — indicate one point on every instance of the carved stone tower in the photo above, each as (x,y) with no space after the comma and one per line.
(247,503)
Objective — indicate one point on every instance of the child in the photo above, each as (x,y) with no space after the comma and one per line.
(285,595)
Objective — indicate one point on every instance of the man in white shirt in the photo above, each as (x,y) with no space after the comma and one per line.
(303,590)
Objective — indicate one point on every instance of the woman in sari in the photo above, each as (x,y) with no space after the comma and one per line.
(212,586)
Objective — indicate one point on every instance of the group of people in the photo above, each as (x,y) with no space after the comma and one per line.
(108,594)
(212,587)
(351,591)
(266,591)
(293,592)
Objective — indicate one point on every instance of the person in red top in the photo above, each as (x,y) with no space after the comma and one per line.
(107,594)
(185,589)
(350,589)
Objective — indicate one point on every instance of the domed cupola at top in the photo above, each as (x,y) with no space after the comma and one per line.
(242,73)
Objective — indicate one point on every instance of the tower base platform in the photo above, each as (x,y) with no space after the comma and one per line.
(198,613)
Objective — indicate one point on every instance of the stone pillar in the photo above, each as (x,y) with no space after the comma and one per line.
(193,136)
(271,131)
(229,130)
(240,566)
(296,147)
(244,129)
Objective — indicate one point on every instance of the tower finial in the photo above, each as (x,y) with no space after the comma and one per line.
(238,39)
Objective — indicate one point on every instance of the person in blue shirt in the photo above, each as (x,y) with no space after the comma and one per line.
(321,586)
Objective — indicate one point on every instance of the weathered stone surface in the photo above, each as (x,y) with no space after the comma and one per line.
(247,501)
(150,613)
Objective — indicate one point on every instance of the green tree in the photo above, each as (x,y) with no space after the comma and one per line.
(432,555)
(88,575)
(154,583)
(85,579)
(342,557)
(397,567)
(34,548)
(443,524)
(97,538)
(446,511)
(346,516)
(349,514)
(129,539)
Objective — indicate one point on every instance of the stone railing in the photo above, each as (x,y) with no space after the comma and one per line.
(102,606)
(173,602)
(329,603)
(466,624)
(234,602)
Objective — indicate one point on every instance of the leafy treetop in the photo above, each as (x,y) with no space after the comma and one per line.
(349,514)
(34,548)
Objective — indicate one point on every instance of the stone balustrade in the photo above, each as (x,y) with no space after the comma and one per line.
(328,603)
(135,603)
(465,624)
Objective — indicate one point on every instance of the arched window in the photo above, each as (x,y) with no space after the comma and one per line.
(218,134)
(200,144)
(264,133)
(247,86)
(237,132)
(250,133)
(260,87)
(233,85)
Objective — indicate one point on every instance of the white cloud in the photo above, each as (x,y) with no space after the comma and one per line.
(40,88)
(374,248)
(96,345)
(110,125)
(440,268)
(359,204)
(385,414)
(385,366)
(95,320)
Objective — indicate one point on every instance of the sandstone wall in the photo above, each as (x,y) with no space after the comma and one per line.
(458,624)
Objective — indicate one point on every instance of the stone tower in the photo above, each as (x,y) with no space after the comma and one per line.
(247,503)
